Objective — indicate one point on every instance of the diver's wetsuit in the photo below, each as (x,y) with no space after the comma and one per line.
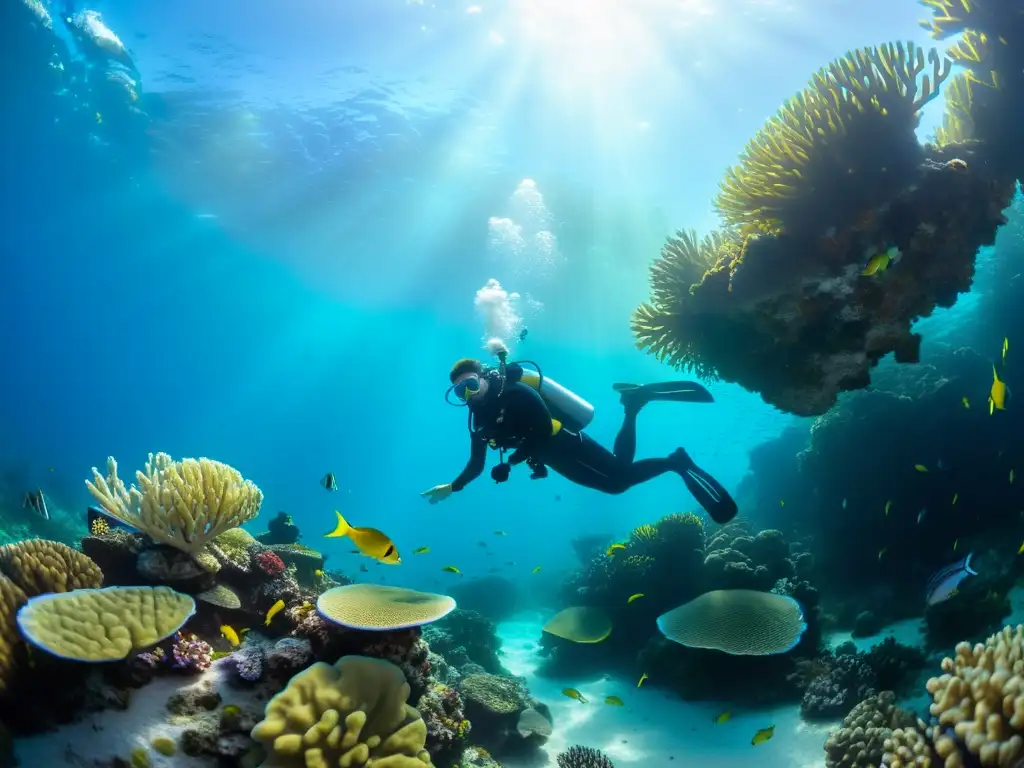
(519,417)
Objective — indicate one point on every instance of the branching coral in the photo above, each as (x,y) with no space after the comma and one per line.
(854,122)
(184,504)
(583,757)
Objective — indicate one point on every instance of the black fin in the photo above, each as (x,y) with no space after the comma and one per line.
(708,492)
(668,391)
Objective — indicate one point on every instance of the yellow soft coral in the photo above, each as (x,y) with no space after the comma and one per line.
(184,504)
(39,566)
(351,714)
(980,696)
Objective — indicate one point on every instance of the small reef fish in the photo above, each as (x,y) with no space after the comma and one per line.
(881,553)
(944,583)
(644,677)
(782,502)
(956,497)
(878,263)
(614,548)
(1006,347)
(1021,550)
(522,334)
(725,717)
(572,693)
(230,635)
(637,596)
(363,568)
(452,569)
(844,503)
(500,533)
(763,735)
(275,609)
(920,467)
(421,550)
(35,501)
(1011,477)
(997,395)
(536,570)
(614,701)
(921,515)
(329,481)
(318,573)
(95,513)
(369,541)
(955,542)
(888,508)
(966,402)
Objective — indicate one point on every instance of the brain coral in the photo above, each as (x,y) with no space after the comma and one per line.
(11,599)
(351,714)
(39,566)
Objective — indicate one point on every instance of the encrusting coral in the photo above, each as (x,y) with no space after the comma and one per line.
(184,504)
(860,741)
(352,713)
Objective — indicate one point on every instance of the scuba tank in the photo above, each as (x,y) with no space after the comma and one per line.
(573,411)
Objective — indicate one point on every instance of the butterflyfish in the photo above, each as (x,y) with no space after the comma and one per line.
(613,701)
(36,501)
(997,395)
(329,481)
(763,735)
(369,541)
(275,609)
(725,717)
(421,550)
(572,693)
(637,596)
(945,581)
(230,635)
(644,675)
(452,569)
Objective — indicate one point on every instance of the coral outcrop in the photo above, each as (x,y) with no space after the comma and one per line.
(860,741)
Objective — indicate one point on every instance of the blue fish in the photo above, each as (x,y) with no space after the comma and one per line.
(943,584)
(95,513)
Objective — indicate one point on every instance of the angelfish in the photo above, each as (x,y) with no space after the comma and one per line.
(944,582)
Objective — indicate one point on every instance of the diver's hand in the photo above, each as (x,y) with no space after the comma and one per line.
(438,493)
(500,472)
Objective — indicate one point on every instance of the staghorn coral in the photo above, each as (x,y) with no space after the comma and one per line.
(979,699)
(855,121)
(860,741)
(39,566)
(351,713)
(583,757)
(184,504)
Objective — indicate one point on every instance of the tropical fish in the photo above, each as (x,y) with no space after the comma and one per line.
(613,701)
(1006,347)
(421,550)
(537,569)
(572,693)
(920,467)
(878,263)
(997,395)
(275,609)
(881,553)
(329,481)
(452,569)
(93,514)
(641,680)
(763,735)
(782,502)
(955,542)
(637,596)
(844,503)
(36,501)
(725,717)
(888,507)
(1011,477)
(921,514)
(318,573)
(230,635)
(956,496)
(522,334)
(369,541)
(500,533)
(614,548)
(966,402)
(1021,550)
(945,580)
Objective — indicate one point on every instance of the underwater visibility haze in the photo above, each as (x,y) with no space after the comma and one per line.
(532,383)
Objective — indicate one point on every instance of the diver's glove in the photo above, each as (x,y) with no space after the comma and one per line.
(438,493)
(539,470)
(500,472)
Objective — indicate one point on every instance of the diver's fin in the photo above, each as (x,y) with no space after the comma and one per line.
(670,391)
(708,492)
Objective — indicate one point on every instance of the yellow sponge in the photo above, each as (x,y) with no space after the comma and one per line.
(103,624)
(350,715)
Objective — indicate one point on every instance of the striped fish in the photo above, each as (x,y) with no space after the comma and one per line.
(942,585)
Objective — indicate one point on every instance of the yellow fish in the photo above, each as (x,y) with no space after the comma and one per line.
(967,403)
(572,693)
(1021,550)
(275,609)
(763,735)
(955,497)
(1006,347)
(888,506)
(920,467)
(537,569)
(613,701)
(421,550)
(452,569)
(725,717)
(230,635)
(318,573)
(637,596)
(877,264)
(614,548)
(369,541)
(881,553)
(997,395)
(641,680)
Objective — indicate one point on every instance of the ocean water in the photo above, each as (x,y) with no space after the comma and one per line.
(271,248)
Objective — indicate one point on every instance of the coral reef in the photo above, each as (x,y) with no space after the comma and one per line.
(270,563)
(834,694)
(183,504)
(191,654)
(860,741)
(583,757)
(465,637)
(442,709)
(493,705)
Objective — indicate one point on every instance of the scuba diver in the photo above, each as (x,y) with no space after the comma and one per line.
(542,423)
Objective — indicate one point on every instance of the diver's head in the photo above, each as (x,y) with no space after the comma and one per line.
(469,383)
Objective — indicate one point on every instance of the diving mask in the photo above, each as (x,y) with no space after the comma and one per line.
(467,387)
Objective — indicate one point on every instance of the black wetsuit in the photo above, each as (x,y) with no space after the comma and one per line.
(520,418)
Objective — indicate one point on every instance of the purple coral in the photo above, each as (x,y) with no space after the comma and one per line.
(191,654)
(249,662)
